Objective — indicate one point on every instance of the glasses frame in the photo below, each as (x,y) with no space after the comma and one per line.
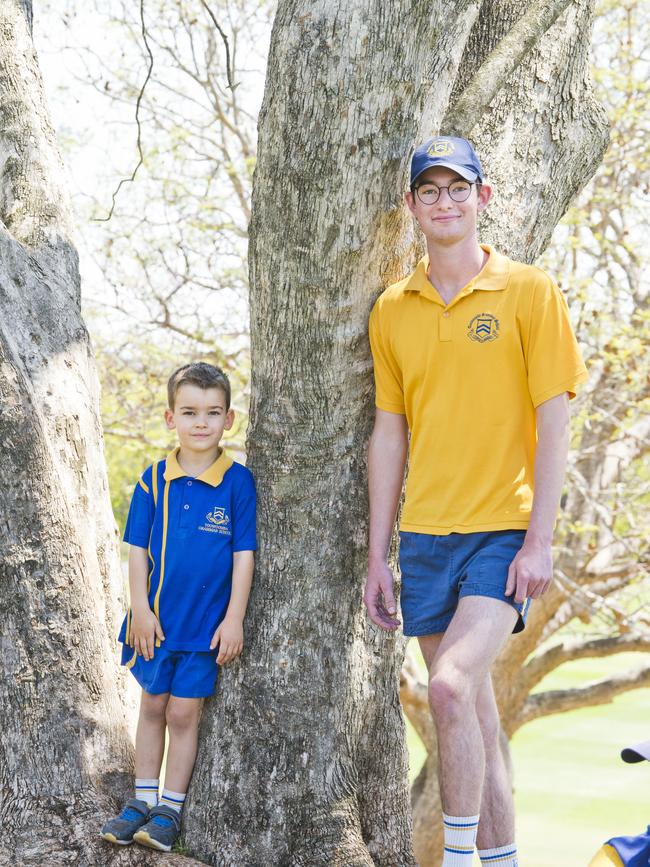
(441,188)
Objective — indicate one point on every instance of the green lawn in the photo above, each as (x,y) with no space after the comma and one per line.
(572,790)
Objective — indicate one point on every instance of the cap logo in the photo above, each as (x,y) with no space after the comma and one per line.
(441,149)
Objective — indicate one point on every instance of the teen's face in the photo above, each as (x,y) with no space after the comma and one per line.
(447,221)
(199,417)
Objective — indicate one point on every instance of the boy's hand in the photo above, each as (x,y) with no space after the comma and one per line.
(229,636)
(144,630)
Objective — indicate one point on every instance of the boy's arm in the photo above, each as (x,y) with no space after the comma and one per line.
(230,632)
(144,623)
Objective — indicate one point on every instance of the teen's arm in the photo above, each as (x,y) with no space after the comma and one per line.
(386,461)
(531,572)
(230,632)
(144,623)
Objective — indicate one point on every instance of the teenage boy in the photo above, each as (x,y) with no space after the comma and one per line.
(191,528)
(474,355)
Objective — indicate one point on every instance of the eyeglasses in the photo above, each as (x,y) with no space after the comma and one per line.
(429,193)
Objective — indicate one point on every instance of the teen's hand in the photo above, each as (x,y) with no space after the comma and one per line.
(379,597)
(531,572)
(229,636)
(145,628)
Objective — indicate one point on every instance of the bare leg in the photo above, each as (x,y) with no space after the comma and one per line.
(183,725)
(471,767)
(150,735)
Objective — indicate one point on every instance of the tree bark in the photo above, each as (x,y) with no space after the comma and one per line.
(64,748)
(304,748)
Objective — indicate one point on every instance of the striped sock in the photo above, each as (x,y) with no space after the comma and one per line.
(460,837)
(175,800)
(147,790)
(504,856)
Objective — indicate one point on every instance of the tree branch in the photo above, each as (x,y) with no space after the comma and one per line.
(599,692)
(415,701)
(137,120)
(500,64)
(572,649)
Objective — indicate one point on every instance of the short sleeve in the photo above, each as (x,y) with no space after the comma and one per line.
(553,358)
(141,514)
(244,513)
(389,391)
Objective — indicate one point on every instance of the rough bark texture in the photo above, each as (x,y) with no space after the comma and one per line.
(303,760)
(303,749)
(64,740)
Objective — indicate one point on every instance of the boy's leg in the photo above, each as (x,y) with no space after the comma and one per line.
(163,827)
(183,726)
(150,735)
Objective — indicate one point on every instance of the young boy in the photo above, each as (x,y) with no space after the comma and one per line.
(191,528)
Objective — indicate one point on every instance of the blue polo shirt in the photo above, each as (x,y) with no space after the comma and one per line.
(191,528)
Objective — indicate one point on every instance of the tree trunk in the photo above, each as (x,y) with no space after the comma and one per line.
(64,746)
(303,759)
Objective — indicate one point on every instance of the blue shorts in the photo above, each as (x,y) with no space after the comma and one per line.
(183,673)
(437,571)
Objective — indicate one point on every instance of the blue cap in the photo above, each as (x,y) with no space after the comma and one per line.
(456,154)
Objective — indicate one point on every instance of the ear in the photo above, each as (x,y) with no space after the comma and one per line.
(484,196)
(410,201)
(169,419)
(230,419)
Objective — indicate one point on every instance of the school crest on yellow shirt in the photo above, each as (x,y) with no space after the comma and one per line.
(483,327)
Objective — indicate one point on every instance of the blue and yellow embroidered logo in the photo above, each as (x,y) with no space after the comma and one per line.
(483,327)
(441,148)
(218,516)
(217,521)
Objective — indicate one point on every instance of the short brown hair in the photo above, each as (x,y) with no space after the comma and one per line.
(198,373)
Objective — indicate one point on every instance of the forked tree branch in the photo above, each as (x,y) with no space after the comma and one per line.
(500,64)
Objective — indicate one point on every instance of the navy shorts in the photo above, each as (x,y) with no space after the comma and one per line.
(437,571)
(183,673)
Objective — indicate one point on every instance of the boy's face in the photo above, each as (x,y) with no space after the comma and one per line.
(199,417)
(447,221)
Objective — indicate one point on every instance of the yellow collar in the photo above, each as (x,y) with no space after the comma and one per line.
(492,277)
(212,476)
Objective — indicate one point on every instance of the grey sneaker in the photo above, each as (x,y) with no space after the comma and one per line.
(121,829)
(161,830)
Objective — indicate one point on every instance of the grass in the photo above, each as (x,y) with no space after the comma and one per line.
(572,791)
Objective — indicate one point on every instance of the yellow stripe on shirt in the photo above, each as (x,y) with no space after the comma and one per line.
(156,602)
(154,482)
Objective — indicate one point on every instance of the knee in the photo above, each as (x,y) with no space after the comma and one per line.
(450,693)
(180,717)
(152,707)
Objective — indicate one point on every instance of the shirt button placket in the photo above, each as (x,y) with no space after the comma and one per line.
(445,326)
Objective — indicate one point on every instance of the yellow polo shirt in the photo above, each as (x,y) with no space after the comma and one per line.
(468,376)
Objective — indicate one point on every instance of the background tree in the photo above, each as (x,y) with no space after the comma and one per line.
(65,741)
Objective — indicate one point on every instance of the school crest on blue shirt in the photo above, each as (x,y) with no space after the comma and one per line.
(483,327)
(217,521)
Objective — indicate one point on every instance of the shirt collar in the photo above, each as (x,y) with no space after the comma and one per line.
(212,476)
(492,277)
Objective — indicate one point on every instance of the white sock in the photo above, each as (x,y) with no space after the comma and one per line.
(504,856)
(460,837)
(175,800)
(147,790)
